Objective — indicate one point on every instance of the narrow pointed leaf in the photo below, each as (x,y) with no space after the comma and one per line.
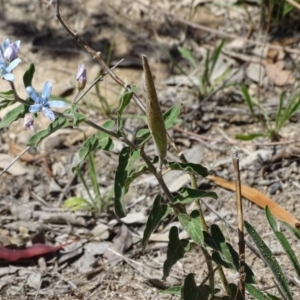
(174,290)
(127,158)
(283,241)
(192,225)
(293,230)
(158,212)
(58,123)
(176,250)
(270,261)
(14,115)
(256,293)
(188,167)
(188,195)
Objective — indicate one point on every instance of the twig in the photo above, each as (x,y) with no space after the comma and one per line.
(14,160)
(239,204)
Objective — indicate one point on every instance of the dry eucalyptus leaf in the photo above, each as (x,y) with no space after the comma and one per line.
(16,169)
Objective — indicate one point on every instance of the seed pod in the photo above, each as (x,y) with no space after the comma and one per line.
(154,116)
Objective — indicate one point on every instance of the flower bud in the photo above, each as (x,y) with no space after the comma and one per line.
(11,52)
(81,77)
(28,122)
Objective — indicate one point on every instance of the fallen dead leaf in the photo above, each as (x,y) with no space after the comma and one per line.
(259,199)
(278,75)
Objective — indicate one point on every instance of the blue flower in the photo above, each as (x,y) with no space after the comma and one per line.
(6,70)
(9,59)
(42,103)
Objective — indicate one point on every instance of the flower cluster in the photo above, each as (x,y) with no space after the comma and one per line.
(9,59)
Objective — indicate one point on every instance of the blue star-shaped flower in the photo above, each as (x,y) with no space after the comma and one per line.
(42,103)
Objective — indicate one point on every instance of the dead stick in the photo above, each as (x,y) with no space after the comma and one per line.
(239,204)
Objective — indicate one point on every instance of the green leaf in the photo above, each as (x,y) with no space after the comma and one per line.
(176,250)
(256,293)
(170,117)
(142,136)
(174,290)
(127,96)
(215,56)
(77,116)
(58,123)
(226,256)
(188,195)
(27,78)
(190,290)
(8,95)
(249,137)
(13,115)
(93,176)
(186,54)
(270,261)
(283,241)
(77,203)
(293,230)
(138,171)
(219,260)
(188,167)
(127,158)
(157,213)
(192,225)
(97,141)
(248,99)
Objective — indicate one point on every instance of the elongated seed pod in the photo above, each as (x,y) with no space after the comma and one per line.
(154,116)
